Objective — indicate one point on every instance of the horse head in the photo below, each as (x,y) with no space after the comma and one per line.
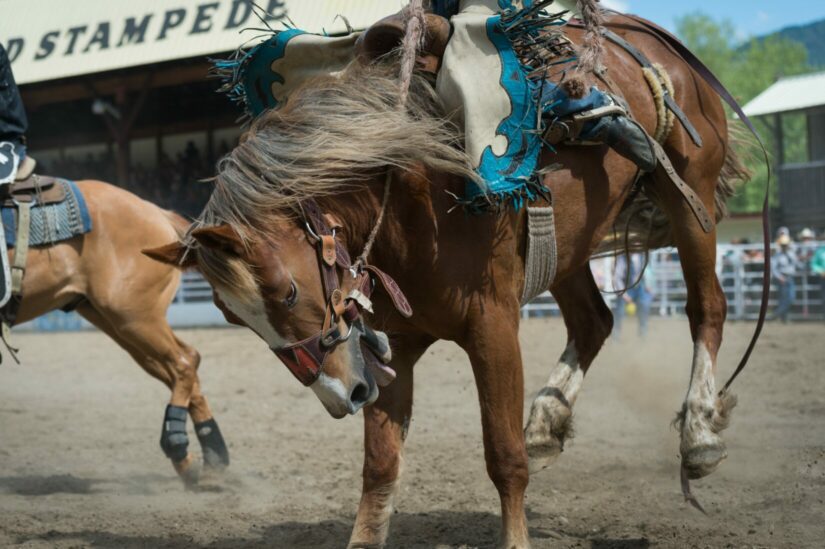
(275,287)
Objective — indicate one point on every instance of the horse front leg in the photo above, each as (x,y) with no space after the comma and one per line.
(385,429)
(589,322)
(493,347)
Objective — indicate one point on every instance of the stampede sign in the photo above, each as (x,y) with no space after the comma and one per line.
(50,40)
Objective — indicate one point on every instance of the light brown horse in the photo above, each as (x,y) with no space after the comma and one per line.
(103,275)
(337,143)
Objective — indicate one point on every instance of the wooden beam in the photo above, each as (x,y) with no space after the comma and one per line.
(37,95)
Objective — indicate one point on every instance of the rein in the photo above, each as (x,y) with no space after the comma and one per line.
(306,358)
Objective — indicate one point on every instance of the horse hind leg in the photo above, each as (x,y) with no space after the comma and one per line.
(589,323)
(704,414)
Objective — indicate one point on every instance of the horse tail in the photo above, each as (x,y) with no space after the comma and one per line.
(592,52)
(179,223)
(734,172)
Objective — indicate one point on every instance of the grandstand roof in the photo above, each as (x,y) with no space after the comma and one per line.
(48,40)
(793,93)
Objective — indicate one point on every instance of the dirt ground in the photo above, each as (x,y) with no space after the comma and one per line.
(80,464)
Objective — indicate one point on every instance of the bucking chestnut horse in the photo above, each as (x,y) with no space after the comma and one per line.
(300,198)
(103,276)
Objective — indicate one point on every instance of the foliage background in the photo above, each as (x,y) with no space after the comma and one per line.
(748,68)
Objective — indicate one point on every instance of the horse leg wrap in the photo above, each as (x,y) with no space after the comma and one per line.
(215,452)
(173,439)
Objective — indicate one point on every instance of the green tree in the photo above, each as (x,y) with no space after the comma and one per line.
(747,69)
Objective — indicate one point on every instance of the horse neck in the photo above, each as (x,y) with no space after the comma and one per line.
(410,219)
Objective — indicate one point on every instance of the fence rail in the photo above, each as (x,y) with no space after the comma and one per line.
(739,269)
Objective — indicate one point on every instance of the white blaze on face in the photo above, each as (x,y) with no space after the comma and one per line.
(332,394)
(253,313)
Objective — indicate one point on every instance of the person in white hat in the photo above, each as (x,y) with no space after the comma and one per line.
(784,266)
(818,272)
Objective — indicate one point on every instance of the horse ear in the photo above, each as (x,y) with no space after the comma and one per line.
(220,237)
(172,254)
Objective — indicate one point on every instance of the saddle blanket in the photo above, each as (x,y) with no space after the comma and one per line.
(497,78)
(52,223)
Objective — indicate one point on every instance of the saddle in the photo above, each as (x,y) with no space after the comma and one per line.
(387,34)
(38,189)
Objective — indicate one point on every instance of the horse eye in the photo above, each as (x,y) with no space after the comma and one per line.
(292,298)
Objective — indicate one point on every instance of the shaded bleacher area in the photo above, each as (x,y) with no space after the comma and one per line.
(176,183)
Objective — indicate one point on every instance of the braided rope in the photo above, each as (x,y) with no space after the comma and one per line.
(413,40)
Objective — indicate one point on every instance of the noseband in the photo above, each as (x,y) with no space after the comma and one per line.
(305,359)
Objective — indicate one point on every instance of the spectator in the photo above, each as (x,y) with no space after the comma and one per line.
(807,245)
(784,265)
(637,299)
(818,271)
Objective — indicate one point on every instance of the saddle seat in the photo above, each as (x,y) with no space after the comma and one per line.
(35,188)
(388,33)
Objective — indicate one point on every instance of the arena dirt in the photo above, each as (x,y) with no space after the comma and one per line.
(80,464)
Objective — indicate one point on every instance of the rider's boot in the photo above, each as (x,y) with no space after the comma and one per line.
(598,119)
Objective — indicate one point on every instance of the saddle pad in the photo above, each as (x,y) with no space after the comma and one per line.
(52,223)
(262,77)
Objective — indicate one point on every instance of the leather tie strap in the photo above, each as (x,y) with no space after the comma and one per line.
(693,200)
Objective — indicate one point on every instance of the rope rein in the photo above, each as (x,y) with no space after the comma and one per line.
(413,39)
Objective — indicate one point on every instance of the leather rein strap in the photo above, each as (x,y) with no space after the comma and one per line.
(306,358)
(720,89)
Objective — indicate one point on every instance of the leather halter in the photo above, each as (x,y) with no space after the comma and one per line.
(306,358)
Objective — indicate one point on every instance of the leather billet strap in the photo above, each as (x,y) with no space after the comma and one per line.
(696,205)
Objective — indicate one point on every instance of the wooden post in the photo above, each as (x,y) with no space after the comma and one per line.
(779,139)
(121,135)
(120,125)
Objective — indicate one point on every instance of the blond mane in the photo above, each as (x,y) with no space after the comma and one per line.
(332,136)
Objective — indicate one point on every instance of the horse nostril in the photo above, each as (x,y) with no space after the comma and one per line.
(360,394)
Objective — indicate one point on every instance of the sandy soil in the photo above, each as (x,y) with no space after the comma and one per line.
(80,464)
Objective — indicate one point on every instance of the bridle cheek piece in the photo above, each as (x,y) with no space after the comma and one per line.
(306,358)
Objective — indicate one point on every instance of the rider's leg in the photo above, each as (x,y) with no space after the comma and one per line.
(13,122)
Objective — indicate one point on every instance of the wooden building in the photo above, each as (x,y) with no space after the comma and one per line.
(129,80)
(797,104)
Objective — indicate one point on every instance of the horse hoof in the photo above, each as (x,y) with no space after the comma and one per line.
(188,471)
(701,461)
(543,452)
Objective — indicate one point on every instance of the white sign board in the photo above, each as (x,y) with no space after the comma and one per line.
(51,39)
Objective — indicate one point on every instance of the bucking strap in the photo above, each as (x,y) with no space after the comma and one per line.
(669,101)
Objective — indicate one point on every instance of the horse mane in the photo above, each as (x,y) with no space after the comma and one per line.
(332,136)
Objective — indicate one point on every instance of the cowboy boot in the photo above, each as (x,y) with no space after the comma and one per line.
(626,138)
(597,119)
